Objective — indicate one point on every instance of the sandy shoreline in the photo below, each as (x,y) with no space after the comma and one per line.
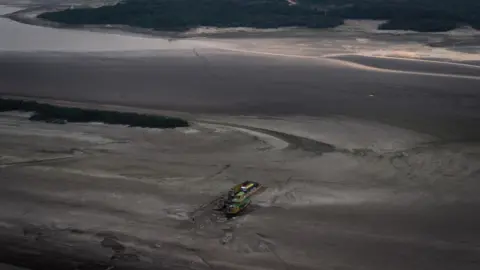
(414,65)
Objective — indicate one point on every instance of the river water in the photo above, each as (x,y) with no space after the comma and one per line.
(249,76)
(22,37)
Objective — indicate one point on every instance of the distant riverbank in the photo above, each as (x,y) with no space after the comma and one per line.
(183,15)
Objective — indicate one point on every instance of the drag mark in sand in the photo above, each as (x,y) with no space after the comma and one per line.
(37,161)
(203,209)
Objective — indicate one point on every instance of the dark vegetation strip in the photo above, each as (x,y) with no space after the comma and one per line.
(416,15)
(59,114)
(181,15)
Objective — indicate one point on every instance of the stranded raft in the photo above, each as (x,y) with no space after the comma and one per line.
(238,198)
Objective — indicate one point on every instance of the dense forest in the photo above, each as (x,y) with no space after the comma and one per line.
(417,15)
(181,15)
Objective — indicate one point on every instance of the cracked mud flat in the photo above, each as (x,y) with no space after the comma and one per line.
(112,197)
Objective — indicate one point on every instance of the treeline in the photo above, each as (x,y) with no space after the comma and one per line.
(58,114)
(420,25)
(180,15)
(417,15)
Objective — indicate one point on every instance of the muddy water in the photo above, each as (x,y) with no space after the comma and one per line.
(22,37)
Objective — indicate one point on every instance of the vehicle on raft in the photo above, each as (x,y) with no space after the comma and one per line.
(238,198)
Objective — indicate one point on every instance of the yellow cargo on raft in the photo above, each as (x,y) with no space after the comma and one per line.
(238,197)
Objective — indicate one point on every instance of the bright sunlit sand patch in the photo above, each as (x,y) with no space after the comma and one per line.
(423,52)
